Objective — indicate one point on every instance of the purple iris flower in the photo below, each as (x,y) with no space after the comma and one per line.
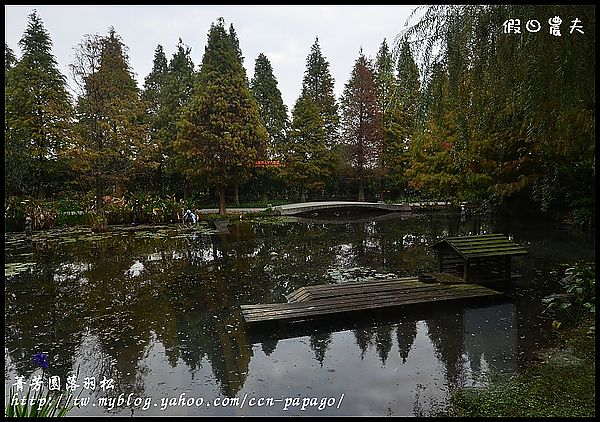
(41,359)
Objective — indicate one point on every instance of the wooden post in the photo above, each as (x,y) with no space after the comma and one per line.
(28,225)
(507,267)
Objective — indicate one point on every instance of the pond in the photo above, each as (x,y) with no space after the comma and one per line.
(148,317)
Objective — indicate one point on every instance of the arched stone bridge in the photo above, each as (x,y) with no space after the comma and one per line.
(302,207)
(292,209)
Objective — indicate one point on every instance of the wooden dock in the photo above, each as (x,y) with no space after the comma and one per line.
(322,300)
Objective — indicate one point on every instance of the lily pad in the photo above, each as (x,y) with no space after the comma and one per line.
(14,268)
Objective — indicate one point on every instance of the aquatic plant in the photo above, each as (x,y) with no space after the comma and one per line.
(98,220)
(41,359)
(43,213)
(38,401)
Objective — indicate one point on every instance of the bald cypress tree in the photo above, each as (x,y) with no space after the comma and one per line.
(111,141)
(306,149)
(177,92)
(317,85)
(15,158)
(154,85)
(236,44)
(274,115)
(155,81)
(221,131)
(361,123)
(270,104)
(408,88)
(38,113)
(317,94)
(403,119)
(386,87)
(9,60)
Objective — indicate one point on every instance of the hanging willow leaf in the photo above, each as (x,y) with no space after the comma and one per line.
(513,110)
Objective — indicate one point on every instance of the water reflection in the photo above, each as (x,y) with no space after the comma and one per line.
(490,337)
(405,333)
(157,310)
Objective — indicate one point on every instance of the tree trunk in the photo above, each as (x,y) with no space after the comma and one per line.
(264,191)
(100,224)
(236,193)
(382,165)
(361,191)
(222,200)
(40,186)
(40,190)
(119,188)
(303,195)
(99,200)
(161,181)
(186,188)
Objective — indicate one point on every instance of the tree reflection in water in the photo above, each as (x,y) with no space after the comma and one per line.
(107,302)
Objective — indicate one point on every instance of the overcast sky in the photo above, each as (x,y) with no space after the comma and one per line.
(283,33)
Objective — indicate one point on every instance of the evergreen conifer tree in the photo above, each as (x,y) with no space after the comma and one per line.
(317,91)
(9,60)
(386,88)
(305,150)
(361,123)
(401,125)
(272,109)
(155,81)
(221,131)
(274,115)
(152,95)
(112,141)
(178,90)
(38,113)
(317,84)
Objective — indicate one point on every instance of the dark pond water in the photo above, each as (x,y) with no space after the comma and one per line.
(156,310)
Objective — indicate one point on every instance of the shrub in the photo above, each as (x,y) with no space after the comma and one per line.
(578,299)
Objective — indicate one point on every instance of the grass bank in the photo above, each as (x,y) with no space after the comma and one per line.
(562,385)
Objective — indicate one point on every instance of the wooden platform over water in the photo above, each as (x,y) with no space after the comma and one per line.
(322,300)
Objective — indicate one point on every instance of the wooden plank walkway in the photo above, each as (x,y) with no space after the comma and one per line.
(316,301)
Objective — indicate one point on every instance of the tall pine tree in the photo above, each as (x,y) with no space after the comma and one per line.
(386,87)
(361,123)
(9,60)
(408,89)
(317,91)
(403,120)
(38,114)
(177,92)
(306,149)
(236,45)
(154,86)
(15,158)
(112,134)
(155,81)
(242,176)
(274,114)
(270,104)
(317,84)
(221,130)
